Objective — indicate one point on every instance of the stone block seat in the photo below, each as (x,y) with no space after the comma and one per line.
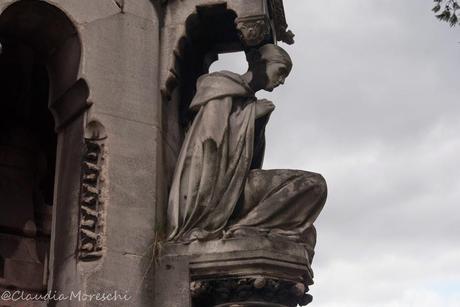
(252,271)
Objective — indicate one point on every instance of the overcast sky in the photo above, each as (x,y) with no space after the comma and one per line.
(373,104)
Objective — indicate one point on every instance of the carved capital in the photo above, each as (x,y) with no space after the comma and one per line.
(251,291)
(253,30)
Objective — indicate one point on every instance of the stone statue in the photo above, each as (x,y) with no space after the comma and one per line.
(219,189)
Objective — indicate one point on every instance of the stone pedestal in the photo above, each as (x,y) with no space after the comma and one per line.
(255,271)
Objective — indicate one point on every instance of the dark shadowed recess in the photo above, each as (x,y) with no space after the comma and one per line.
(209,32)
(40,95)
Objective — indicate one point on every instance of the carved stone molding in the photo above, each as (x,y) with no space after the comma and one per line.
(249,272)
(251,291)
(254,30)
(92,200)
(71,104)
(279,20)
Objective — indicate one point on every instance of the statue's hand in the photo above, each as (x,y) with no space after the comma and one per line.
(264,107)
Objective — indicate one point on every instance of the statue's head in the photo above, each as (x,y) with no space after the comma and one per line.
(270,65)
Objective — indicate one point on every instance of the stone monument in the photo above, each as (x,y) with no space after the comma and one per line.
(125,167)
(221,199)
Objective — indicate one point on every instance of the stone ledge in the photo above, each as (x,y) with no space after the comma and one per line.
(262,271)
(253,256)
(255,243)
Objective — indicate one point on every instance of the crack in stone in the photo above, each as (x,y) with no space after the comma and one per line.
(120,3)
(130,254)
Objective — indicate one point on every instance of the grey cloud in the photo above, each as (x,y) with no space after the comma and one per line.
(373,105)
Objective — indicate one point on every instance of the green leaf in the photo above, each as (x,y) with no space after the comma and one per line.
(444,16)
(453,20)
(437,8)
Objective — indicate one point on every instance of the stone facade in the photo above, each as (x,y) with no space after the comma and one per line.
(97,110)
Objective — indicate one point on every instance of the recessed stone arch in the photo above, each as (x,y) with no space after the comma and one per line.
(43,133)
(51,35)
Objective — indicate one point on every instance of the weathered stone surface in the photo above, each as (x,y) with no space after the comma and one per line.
(125,273)
(64,240)
(130,217)
(141,8)
(119,64)
(172,282)
(247,244)
(86,11)
(254,269)
(65,222)
(129,214)
(5,3)
(271,257)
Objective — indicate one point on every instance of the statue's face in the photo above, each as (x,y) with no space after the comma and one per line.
(276,74)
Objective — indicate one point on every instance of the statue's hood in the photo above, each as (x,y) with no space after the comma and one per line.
(218,85)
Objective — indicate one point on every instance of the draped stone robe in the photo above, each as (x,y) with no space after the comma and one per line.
(218,187)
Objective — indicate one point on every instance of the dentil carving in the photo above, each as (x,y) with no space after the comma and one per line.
(91,195)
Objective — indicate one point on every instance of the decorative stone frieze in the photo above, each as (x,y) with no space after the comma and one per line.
(256,291)
(92,200)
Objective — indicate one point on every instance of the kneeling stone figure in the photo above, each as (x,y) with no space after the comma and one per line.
(219,189)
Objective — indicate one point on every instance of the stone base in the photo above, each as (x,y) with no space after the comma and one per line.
(256,271)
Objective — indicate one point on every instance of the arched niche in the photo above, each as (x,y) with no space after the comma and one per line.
(57,46)
(41,140)
(208,31)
